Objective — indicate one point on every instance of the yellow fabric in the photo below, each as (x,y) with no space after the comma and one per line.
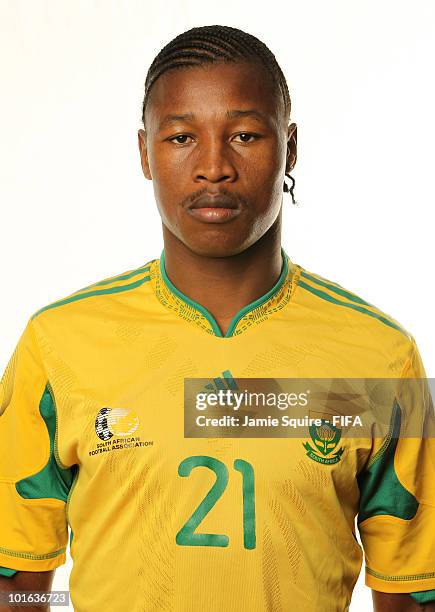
(126,344)
(33,532)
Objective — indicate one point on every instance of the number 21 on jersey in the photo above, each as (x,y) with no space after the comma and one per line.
(187,536)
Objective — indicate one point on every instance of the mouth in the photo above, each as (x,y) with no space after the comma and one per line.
(214,208)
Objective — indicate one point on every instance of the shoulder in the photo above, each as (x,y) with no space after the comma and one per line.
(347,318)
(97,295)
(336,298)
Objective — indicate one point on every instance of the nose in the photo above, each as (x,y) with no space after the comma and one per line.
(214,162)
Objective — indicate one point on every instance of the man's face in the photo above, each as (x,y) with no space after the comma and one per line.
(216,135)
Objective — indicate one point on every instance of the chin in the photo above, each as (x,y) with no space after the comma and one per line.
(217,247)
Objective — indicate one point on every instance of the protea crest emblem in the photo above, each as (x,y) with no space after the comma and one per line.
(325,438)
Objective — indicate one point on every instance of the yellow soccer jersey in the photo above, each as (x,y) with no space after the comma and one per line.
(92,436)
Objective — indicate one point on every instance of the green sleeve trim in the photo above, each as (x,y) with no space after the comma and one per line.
(8,573)
(402,578)
(31,556)
(423,597)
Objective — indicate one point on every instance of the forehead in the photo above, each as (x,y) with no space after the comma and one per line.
(212,89)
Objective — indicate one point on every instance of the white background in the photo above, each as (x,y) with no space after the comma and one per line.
(75,207)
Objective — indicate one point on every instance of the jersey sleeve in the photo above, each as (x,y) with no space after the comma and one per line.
(33,485)
(396,518)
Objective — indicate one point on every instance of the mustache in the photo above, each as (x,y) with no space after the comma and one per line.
(233,196)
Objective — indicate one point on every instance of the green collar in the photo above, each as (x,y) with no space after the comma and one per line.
(191,310)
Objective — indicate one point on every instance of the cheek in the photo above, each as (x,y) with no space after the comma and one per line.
(158,162)
(268,164)
(278,161)
(166,183)
(265,177)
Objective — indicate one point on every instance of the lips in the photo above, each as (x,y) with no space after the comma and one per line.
(214,208)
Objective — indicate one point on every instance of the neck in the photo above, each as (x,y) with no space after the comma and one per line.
(224,285)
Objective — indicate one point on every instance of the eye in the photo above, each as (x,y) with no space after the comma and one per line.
(179,139)
(246,136)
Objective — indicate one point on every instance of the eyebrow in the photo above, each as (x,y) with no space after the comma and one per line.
(230,114)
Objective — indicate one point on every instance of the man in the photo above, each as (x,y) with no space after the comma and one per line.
(160,520)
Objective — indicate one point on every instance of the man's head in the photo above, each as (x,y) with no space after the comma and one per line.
(216,132)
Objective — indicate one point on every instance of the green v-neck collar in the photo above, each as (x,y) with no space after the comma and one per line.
(252,314)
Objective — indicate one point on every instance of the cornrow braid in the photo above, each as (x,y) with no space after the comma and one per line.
(213,44)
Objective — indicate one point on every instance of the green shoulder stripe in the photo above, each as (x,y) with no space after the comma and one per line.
(120,277)
(375,315)
(336,289)
(86,294)
(339,290)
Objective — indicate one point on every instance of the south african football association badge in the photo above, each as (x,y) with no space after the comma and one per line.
(325,438)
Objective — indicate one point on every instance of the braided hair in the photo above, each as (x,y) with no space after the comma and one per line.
(217,44)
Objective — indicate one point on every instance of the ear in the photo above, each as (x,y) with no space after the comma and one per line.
(142,142)
(291,147)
